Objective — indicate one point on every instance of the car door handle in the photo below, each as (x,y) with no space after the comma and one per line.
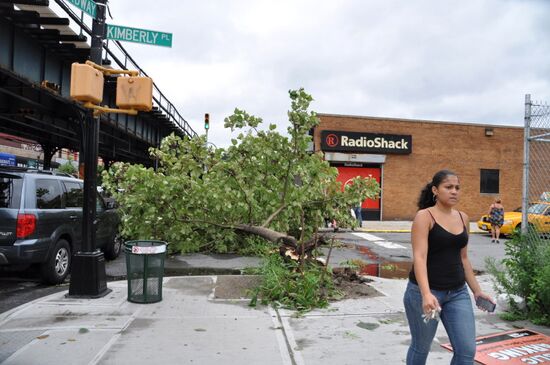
(73,217)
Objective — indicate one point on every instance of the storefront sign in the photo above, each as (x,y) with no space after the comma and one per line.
(7,159)
(514,347)
(365,142)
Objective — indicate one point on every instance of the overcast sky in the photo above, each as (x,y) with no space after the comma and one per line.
(462,61)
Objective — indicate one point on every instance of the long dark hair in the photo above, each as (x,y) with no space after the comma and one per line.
(426,198)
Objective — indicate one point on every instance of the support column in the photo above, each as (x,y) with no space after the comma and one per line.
(48,152)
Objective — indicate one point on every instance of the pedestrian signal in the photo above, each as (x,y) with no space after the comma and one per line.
(134,92)
(86,83)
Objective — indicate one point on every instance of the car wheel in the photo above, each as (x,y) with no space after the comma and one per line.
(113,248)
(56,268)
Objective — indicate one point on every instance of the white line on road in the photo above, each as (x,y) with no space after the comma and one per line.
(367,236)
(388,244)
(377,240)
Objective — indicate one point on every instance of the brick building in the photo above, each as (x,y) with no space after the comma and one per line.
(403,155)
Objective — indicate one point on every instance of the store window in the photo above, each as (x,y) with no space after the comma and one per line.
(489,181)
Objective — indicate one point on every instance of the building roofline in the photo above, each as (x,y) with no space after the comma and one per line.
(420,121)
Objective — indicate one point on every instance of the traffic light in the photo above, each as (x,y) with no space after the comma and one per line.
(86,83)
(206,121)
(134,92)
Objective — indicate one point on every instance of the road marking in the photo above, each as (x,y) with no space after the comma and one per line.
(378,240)
(388,244)
(368,236)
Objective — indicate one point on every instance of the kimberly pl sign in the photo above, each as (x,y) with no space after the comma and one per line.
(365,142)
(137,35)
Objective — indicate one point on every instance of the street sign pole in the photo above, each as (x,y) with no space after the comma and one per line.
(88,277)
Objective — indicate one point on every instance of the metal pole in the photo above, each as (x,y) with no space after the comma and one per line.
(91,142)
(525,192)
(88,277)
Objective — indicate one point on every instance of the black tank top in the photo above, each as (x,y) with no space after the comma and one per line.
(444,262)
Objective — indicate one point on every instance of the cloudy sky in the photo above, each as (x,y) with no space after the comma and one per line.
(465,61)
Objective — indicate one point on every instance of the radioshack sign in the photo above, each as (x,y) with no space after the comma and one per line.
(365,142)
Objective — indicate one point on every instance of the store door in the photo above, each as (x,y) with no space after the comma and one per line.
(370,207)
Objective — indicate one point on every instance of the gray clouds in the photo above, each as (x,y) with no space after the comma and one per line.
(468,61)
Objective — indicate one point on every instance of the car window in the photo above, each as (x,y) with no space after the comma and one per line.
(73,194)
(537,208)
(10,191)
(48,194)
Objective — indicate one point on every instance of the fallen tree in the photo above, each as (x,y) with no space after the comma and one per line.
(264,194)
(265,186)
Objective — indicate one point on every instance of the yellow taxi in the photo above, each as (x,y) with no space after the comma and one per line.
(538,215)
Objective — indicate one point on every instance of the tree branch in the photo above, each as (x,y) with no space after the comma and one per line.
(283,197)
(268,234)
(248,202)
(273,215)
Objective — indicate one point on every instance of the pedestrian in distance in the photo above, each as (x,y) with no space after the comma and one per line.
(496,218)
(441,269)
(358,214)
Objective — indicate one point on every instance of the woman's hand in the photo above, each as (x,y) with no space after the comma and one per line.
(481,294)
(429,303)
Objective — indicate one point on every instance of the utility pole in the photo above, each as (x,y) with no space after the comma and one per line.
(88,277)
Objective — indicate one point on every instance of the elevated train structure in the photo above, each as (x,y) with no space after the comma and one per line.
(37,48)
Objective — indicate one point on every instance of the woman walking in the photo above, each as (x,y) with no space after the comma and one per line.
(496,217)
(441,268)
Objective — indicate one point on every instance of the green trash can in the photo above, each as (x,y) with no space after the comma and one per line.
(145,270)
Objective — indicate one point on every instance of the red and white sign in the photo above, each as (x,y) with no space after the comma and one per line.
(513,347)
(147,250)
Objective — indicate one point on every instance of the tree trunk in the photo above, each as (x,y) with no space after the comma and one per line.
(269,234)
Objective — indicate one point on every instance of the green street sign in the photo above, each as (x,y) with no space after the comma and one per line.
(87,6)
(119,33)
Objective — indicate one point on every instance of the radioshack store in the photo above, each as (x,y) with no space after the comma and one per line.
(403,154)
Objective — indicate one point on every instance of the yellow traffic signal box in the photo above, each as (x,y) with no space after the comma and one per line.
(86,83)
(134,92)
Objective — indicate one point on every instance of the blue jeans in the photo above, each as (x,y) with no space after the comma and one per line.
(457,316)
(358,216)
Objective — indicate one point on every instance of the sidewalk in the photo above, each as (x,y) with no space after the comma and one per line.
(205,320)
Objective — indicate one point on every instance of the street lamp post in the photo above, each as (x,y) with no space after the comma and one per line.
(88,277)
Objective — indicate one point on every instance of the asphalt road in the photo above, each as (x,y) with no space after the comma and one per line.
(397,247)
(381,254)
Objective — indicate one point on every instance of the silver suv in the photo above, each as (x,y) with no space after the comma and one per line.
(41,221)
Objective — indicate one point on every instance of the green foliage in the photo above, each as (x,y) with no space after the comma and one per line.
(284,284)
(67,168)
(525,272)
(199,194)
(100,169)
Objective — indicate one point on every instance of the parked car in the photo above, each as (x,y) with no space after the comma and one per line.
(41,221)
(538,216)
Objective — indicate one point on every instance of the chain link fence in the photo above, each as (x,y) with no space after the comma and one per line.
(536,172)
